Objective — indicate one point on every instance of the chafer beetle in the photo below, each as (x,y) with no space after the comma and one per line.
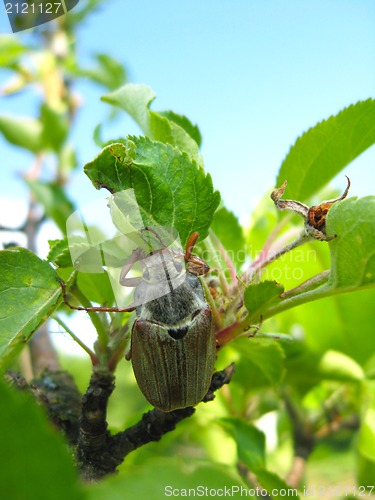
(173,348)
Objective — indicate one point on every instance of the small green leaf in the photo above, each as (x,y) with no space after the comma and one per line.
(273,483)
(324,150)
(171,190)
(251,452)
(23,132)
(59,253)
(67,160)
(184,123)
(136,100)
(54,201)
(108,72)
(259,297)
(11,49)
(29,292)
(352,251)
(55,127)
(35,462)
(250,441)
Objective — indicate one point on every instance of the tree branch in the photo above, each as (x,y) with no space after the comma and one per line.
(99,453)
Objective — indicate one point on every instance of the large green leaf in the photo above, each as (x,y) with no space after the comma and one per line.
(29,291)
(35,462)
(168,478)
(136,99)
(23,132)
(324,150)
(170,188)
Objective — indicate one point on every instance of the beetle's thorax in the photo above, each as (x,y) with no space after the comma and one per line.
(172,308)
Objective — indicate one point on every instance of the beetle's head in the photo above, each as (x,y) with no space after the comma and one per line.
(197,266)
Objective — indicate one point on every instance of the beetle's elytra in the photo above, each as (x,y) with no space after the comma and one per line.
(173,346)
(173,354)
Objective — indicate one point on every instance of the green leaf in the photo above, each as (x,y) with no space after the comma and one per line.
(352,251)
(59,253)
(227,228)
(251,452)
(264,358)
(35,462)
(23,132)
(108,72)
(275,486)
(259,297)
(11,50)
(324,150)
(184,123)
(67,160)
(96,287)
(55,127)
(365,475)
(159,480)
(29,292)
(250,441)
(306,368)
(54,201)
(338,366)
(136,100)
(366,440)
(171,190)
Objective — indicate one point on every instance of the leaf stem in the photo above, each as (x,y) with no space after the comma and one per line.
(307,285)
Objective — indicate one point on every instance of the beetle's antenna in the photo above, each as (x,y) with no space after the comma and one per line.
(190,245)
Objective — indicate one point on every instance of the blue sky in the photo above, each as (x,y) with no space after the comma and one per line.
(253,74)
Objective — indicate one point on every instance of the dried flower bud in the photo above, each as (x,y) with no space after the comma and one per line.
(314,217)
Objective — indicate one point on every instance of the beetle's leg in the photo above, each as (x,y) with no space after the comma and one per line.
(137,255)
(92,309)
(151,230)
